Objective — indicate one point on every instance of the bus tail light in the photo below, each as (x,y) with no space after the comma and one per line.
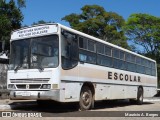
(46,86)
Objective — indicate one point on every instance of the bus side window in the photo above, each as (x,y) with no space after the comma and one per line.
(104,60)
(138,60)
(86,56)
(91,46)
(143,62)
(133,58)
(115,53)
(122,55)
(82,43)
(153,72)
(128,57)
(131,67)
(107,50)
(153,65)
(119,64)
(100,48)
(87,50)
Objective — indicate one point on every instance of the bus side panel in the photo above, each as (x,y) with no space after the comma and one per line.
(149,92)
(70,85)
(131,92)
(104,91)
(72,91)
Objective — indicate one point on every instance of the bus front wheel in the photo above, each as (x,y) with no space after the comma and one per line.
(86,98)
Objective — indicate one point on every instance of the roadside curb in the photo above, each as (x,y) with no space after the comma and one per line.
(151,100)
(12,107)
(5,107)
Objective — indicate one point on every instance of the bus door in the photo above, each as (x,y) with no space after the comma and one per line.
(69,74)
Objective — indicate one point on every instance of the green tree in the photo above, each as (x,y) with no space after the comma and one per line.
(144,31)
(10,18)
(21,3)
(95,21)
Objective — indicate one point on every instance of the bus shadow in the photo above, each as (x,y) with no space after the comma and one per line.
(115,104)
(50,107)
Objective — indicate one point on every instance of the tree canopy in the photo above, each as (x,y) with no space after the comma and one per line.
(144,30)
(95,21)
(11,18)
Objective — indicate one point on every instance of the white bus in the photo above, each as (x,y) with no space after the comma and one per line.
(55,62)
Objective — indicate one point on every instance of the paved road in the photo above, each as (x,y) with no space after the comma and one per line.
(102,108)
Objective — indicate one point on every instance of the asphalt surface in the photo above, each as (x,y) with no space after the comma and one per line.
(110,110)
(50,109)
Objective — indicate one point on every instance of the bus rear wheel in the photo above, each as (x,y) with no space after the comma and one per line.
(140,96)
(86,98)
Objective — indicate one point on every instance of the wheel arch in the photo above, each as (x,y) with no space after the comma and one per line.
(140,87)
(90,85)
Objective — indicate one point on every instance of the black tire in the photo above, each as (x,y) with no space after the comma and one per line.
(86,98)
(140,96)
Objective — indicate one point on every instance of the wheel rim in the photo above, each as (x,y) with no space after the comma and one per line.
(86,98)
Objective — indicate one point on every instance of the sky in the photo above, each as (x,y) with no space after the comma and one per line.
(55,10)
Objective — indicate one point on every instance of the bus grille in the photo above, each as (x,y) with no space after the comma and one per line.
(35,80)
(31,86)
(21,86)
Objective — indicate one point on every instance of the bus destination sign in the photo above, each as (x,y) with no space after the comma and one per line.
(34,31)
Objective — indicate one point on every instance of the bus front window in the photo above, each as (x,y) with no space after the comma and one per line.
(34,53)
(44,52)
(19,55)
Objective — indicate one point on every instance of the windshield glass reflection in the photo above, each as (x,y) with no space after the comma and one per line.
(39,53)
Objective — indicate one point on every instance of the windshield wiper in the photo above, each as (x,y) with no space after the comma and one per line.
(17,68)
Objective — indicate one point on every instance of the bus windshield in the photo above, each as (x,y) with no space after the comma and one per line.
(34,53)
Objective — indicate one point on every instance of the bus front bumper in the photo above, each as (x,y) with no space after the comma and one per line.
(36,95)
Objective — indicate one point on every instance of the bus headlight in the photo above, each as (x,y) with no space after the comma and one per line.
(11,86)
(46,86)
(54,86)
